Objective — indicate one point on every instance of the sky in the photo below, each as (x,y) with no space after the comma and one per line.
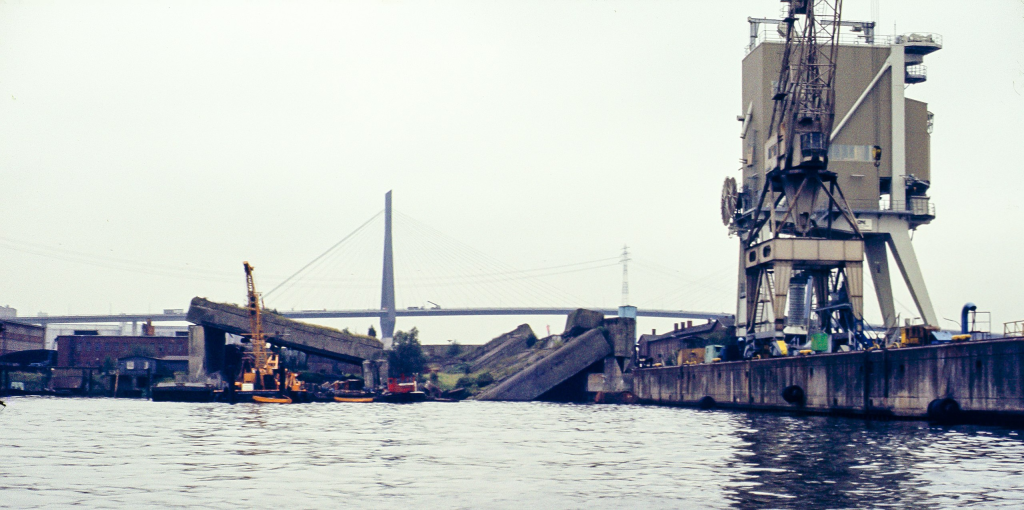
(148,148)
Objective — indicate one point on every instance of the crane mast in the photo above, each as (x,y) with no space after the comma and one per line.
(259,344)
(801,193)
(803,251)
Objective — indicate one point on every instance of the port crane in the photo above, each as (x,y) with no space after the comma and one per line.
(802,253)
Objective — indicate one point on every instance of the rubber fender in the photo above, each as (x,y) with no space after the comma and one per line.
(794,395)
(706,403)
(943,410)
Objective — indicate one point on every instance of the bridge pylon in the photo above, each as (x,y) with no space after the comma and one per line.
(387,291)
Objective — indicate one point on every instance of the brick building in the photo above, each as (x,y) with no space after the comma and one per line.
(93,350)
(15,336)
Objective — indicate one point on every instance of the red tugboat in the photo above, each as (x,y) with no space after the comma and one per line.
(401,390)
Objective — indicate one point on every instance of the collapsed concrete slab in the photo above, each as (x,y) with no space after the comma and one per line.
(497,350)
(309,338)
(545,374)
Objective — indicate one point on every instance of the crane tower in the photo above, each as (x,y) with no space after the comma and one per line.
(835,168)
(263,362)
(802,251)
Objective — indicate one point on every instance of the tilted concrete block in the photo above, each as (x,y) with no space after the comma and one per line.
(510,343)
(548,372)
(310,338)
(580,321)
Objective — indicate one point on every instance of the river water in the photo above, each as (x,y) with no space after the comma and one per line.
(131,453)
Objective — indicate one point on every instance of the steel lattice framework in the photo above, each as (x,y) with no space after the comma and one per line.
(808,260)
(798,139)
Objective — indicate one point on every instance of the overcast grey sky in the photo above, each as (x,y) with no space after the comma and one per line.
(148,148)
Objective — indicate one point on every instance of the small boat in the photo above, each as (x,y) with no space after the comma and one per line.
(353,399)
(271,400)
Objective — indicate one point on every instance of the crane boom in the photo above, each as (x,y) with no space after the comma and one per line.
(805,94)
(797,146)
(259,344)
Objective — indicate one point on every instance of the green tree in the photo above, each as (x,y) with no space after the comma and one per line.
(406,355)
(454,349)
(484,379)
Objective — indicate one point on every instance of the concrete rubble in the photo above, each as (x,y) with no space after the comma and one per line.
(560,367)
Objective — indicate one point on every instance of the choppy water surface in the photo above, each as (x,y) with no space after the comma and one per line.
(117,453)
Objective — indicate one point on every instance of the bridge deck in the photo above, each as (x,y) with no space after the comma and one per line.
(349,314)
(309,338)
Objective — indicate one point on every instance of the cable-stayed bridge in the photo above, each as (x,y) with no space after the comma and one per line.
(438,276)
(374,313)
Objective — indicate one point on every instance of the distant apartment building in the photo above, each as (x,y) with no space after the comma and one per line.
(93,350)
(15,336)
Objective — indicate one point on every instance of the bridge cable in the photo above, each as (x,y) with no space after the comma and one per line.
(484,265)
(346,238)
(487,265)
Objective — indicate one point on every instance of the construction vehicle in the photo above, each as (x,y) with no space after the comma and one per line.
(262,372)
(918,334)
(260,375)
(692,356)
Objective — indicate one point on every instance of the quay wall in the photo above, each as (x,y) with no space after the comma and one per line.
(984,378)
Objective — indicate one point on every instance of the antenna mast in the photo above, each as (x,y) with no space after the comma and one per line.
(625,275)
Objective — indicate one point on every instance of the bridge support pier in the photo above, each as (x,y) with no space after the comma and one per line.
(375,374)
(205,352)
(387,329)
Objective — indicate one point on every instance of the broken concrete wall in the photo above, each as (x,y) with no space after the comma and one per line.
(543,375)
(622,333)
(611,379)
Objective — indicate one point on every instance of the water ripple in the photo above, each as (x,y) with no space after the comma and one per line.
(105,453)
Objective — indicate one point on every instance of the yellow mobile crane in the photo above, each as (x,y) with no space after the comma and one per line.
(260,358)
(263,362)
